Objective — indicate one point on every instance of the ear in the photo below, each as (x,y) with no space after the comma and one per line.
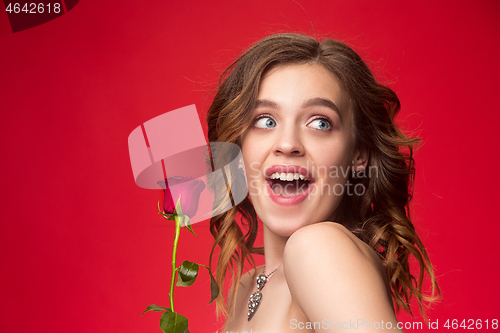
(360,159)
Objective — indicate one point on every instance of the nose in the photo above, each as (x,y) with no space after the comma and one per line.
(289,143)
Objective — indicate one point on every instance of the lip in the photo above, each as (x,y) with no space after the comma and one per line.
(287,201)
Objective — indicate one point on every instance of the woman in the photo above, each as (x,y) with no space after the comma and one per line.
(329,175)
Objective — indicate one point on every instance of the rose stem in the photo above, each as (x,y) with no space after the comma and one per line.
(174,264)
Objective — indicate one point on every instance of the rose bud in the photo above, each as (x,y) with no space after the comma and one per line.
(189,189)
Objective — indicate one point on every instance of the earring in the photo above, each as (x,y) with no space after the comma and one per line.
(358,174)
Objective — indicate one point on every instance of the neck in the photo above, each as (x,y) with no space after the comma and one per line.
(274,246)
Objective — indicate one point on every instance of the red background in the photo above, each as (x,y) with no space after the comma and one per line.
(82,248)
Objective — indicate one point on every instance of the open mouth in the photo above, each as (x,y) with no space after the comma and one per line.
(288,184)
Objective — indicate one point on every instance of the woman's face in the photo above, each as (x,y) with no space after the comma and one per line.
(299,150)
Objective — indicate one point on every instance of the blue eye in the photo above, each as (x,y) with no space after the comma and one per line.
(320,124)
(265,122)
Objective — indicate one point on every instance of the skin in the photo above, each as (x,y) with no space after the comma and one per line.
(338,278)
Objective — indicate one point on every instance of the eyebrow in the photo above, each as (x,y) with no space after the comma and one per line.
(266,103)
(318,101)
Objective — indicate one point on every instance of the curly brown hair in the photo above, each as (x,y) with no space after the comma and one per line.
(380,217)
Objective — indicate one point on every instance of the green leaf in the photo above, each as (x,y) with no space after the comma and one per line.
(187,224)
(154,307)
(172,322)
(214,287)
(188,272)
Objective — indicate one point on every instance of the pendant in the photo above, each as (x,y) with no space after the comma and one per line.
(256,298)
(253,304)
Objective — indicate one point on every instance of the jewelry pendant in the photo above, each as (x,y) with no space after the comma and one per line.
(261,281)
(253,304)
(256,298)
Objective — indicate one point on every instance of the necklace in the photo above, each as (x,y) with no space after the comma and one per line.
(256,298)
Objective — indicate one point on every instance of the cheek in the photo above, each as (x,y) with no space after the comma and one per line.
(247,154)
(333,165)
(253,160)
(254,149)
(335,159)
(252,164)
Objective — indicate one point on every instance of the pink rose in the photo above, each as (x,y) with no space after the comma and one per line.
(188,188)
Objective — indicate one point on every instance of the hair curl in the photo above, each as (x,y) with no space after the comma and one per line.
(380,217)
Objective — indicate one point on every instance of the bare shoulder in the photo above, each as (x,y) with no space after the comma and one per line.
(332,274)
(330,236)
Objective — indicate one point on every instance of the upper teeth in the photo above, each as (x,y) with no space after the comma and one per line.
(288,176)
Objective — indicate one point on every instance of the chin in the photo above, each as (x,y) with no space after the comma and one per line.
(284,231)
(284,220)
(285,227)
